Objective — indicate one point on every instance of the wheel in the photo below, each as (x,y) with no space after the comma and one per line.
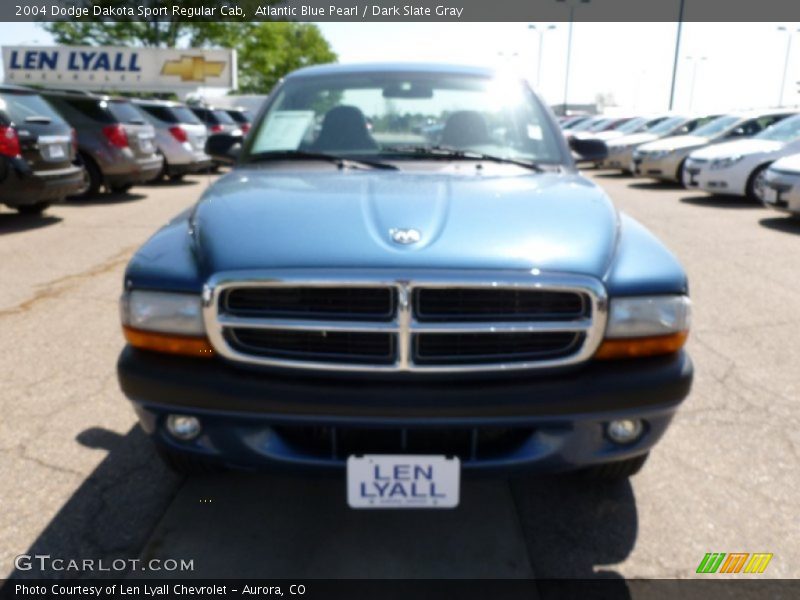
(185,463)
(756,183)
(679,172)
(615,471)
(33,209)
(120,189)
(93,178)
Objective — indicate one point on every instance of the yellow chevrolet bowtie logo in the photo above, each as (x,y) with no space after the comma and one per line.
(193,68)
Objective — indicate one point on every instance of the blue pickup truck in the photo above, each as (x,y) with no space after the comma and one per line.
(404,276)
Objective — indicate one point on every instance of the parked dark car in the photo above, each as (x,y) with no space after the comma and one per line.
(115,143)
(366,300)
(242,117)
(217,120)
(37,152)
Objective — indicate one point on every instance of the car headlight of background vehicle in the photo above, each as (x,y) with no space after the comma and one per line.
(657,154)
(645,326)
(725,163)
(165,322)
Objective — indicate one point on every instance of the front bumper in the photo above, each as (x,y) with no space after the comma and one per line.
(618,159)
(713,181)
(663,168)
(782,192)
(21,186)
(252,419)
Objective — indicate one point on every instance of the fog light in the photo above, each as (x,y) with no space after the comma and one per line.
(183,427)
(625,431)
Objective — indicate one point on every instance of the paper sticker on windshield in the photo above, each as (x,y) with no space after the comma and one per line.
(283,130)
(534,132)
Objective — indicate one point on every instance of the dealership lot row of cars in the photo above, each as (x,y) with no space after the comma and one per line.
(755,154)
(58,144)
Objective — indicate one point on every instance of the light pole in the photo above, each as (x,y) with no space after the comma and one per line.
(572,4)
(789,37)
(540,33)
(694,60)
(677,53)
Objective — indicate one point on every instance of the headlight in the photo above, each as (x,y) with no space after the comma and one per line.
(657,154)
(165,312)
(165,322)
(725,163)
(646,326)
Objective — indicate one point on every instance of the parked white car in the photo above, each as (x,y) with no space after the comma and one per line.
(663,160)
(634,125)
(620,150)
(781,189)
(737,168)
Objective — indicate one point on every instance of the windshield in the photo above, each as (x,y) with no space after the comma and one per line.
(717,126)
(667,125)
(22,107)
(587,124)
(397,114)
(601,125)
(785,131)
(632,126)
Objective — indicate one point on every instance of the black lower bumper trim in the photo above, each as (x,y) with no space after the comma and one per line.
(151,378)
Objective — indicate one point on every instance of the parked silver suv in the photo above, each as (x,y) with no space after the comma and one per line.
(115,143)
(180,137)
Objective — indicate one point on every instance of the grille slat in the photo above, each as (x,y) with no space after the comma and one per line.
(479,304)
(448,348)
(346,303)
(335,346)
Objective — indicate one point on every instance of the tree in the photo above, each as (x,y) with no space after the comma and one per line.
(266,51)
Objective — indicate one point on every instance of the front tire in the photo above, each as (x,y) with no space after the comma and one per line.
(756,183)
(33,209)
(617,470)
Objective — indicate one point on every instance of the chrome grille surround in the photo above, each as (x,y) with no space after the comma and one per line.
(404,325)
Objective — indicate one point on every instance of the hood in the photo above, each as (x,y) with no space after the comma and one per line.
(634,139)
(676,142)
(738,148)
(788,164)
(263,218)
(607,135)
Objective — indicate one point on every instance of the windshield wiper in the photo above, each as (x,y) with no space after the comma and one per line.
(340,161)
(458,153)
(38,119)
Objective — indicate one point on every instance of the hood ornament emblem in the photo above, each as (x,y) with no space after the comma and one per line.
(405,236)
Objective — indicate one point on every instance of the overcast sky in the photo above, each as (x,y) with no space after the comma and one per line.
(633,61)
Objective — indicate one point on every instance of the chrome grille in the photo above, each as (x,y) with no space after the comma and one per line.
(431,322)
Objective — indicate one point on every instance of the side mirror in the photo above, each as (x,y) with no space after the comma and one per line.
(588,149)
(224,147)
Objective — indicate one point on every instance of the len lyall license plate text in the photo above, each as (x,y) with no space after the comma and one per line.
(403,481)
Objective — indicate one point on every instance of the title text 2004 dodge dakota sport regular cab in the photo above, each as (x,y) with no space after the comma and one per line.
(404,275)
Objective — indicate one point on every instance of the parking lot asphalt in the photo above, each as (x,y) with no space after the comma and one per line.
(82,481)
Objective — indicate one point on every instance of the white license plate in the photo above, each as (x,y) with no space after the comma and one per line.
(55,151)
(769,195)
(403,481)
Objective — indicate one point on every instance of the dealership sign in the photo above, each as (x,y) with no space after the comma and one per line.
(123,69)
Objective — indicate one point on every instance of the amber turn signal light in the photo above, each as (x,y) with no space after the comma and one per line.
(170,344)
(640,347)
